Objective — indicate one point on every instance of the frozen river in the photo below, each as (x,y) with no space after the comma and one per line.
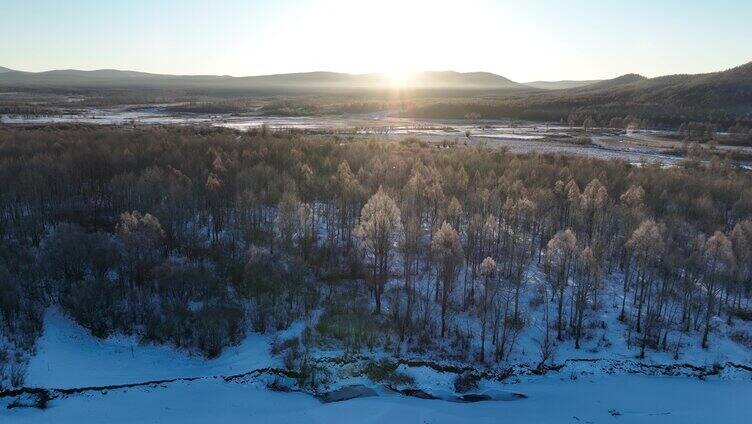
(518,137)
(603,399)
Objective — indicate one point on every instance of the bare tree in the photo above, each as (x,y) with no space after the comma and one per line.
(741,238)
(588,276)
(546,346)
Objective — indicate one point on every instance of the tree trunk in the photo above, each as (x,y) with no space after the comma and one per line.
(561,309)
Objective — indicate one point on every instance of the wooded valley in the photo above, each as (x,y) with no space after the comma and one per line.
(191,236)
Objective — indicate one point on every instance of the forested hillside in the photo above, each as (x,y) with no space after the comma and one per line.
(192,237)
(721,98)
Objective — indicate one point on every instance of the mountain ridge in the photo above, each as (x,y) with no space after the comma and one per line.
(561,84)
(315,79)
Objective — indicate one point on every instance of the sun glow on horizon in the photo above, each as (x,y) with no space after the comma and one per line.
(523,41)
(399,78)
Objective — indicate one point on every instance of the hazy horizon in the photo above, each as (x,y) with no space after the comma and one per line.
(385,73)
(585,41)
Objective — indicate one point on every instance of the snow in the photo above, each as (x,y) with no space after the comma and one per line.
(512,136)
(69,356)
(605,336)
(721,349)
(636,399)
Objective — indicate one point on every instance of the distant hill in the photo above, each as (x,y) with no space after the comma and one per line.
(616,82)
(727,90)
(111,78)
(560,85)
(468,79)
(723,97)
(2,70)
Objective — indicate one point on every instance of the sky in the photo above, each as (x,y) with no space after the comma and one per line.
(521,40)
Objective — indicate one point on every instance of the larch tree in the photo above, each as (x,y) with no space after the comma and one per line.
(487,272)
(379,230)
(447,251)
(454,214)
(519,251)
(573,200)
(719,262)
(348,191)
(434,196)
(143,242)
(410,250)
(588,276)
(633,208)
(593,200)
(647,244)
(741,239)
(560,253)
(213,188)
(293,221)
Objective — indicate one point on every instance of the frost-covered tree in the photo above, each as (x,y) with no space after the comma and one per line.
(588,277)
(560,254)
(518,251)
(378,232)
(293,222)
(143,242)
(410,247)
(593,200)
(454,213)
(633,209)
(349,192)
(447,251)
(647,245)
(487,273)
(719,263)
(741,238)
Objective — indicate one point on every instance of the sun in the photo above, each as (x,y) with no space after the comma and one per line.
(398,77)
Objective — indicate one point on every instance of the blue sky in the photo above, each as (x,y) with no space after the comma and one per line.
(577,39)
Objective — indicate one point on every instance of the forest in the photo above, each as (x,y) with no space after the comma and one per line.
(193,237)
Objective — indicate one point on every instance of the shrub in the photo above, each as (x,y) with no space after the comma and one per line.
(742,314)
(581,141)
(17,374)
(744,338)
(465,382)
(385,371)
(352,327)
(278,346)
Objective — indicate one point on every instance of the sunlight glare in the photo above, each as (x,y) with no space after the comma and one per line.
(398,78)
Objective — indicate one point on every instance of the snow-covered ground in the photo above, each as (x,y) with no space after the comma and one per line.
(69,356)
(619,399)
(614,388)
(608,336)
(605,336)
